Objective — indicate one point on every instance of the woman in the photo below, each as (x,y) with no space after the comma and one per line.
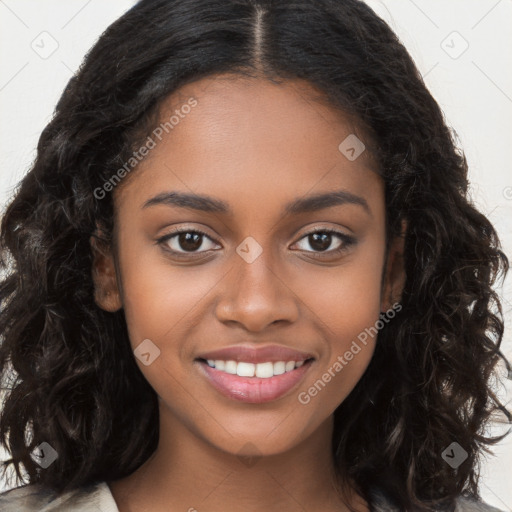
(247,275)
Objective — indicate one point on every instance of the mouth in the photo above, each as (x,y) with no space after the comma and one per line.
(255,382)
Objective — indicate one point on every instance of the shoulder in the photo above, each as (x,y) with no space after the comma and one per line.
(382,503)
(472,505)
(35,497)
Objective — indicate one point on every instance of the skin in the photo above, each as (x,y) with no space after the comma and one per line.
(256,146)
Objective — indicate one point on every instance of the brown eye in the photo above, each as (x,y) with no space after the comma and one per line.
(183,241)
(189,241)
(322,239)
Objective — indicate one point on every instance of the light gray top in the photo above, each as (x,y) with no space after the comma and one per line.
(34,497)
(98,498)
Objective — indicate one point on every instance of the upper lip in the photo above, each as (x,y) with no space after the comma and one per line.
(269,353)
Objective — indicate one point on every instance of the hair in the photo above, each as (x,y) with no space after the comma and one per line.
(76,384)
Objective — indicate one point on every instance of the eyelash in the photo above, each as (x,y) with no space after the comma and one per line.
(346,239)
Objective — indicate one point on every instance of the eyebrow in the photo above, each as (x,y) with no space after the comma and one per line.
(307,204)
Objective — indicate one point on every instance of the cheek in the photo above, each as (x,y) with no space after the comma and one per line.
(162,301)
(347,298)
(346,306)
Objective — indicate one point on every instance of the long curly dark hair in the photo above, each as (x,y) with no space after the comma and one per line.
(67,368)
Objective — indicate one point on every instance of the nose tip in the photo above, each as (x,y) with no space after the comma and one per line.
(254,295)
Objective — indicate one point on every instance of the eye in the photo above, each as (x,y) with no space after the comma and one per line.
(321,239)
(185,241)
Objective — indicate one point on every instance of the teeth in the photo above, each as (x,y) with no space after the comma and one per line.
(260,370)
(245,369)
(265,370)
(290,365)
(230,367)
(279,368)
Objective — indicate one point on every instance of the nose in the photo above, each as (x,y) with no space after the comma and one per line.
(256,295)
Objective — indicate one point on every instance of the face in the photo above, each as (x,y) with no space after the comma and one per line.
(264,274)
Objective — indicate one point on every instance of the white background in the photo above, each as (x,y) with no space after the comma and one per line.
(473,87)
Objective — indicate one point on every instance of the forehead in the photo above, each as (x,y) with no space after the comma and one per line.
(228,134)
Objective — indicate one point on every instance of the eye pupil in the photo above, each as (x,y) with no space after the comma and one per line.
(320,245)
(185,239)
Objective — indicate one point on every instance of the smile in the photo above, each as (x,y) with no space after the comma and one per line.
(254,382)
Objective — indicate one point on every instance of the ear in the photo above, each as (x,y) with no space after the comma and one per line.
(106,291)
(394,274)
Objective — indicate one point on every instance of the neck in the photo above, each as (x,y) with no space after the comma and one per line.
(189,473)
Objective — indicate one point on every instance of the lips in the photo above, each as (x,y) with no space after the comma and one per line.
(220,369)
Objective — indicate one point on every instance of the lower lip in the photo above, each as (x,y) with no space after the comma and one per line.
(254,390)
